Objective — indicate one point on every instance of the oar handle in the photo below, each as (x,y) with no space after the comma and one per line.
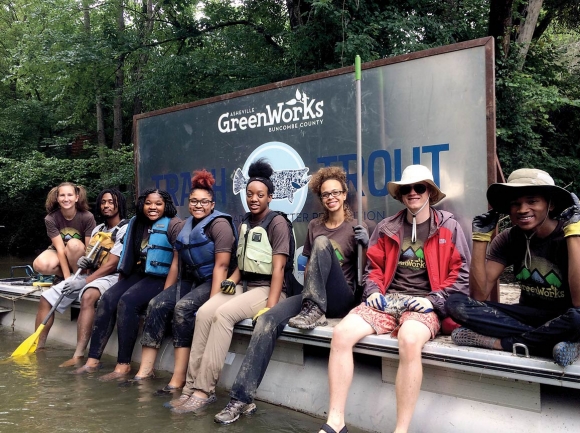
(359,206)
(53,309)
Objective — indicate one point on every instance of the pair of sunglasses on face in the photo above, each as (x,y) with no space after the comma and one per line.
(419,188)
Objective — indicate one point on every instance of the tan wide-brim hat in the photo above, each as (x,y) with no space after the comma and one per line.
(415,174)
(528,181)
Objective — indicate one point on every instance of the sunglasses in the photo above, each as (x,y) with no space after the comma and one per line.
(419,188)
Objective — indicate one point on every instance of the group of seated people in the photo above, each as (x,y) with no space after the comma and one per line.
(201,276)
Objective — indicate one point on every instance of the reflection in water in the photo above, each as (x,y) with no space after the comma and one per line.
(38,396)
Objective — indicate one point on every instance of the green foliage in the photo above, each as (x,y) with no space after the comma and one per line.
(54,67)
(25,182)
(538,112)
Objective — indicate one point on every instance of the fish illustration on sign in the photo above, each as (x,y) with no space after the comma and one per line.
(286,182)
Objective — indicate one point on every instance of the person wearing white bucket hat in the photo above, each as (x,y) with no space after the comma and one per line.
(543,246)
(415,260)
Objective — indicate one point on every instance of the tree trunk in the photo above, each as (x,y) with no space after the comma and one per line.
(119,82)
(102,141)
(294,13)
(145,32)
(500,23)
(527,29)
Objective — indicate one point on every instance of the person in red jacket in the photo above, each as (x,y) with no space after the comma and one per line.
(415,260)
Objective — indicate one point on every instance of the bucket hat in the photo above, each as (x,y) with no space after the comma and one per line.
(415,174)
(528,181)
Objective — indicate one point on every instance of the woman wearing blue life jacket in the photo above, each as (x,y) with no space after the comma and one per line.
(207,251)
(145,270)
(256,285)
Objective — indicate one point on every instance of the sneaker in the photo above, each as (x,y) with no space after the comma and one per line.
(467,337)
(176,402)
(566,352)
(309,317)
(233,410)
(194,404)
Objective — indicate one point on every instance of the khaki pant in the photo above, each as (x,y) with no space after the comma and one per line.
(212,337)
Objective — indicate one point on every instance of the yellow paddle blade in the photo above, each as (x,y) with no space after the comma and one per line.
(28,345)
(41,284)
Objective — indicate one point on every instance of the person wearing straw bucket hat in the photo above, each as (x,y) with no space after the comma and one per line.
(543,246)
(416,259)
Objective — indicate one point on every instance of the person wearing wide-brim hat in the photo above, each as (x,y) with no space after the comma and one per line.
(415,260)
(543,246)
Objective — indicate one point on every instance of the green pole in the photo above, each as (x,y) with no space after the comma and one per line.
(359,206)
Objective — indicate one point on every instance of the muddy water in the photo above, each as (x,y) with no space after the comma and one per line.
(38,396)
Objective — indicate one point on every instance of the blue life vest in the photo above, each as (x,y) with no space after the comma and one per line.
(159,250)
(196,249)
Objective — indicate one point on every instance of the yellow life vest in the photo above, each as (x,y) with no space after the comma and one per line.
(101,255)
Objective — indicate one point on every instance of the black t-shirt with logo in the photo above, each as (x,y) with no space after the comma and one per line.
(411,276)
(544,283)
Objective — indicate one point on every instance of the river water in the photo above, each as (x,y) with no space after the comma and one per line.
(38,396)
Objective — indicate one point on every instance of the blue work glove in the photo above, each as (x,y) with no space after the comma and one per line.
(484,225)
(571,216)
(258,314)
(228,287)
(71,288)
(361,235)
(419,305)
(85,263)
(376,301)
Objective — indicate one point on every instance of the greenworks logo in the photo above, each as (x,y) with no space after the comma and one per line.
(299,112)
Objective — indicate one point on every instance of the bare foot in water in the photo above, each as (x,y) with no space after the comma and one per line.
(88,368)
(121,372)
(75,361)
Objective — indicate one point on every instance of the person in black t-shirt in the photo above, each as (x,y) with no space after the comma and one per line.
(544,248)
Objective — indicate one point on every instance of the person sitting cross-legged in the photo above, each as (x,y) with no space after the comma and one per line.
(415,260)
(544,248)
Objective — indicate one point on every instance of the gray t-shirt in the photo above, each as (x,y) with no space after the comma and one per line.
(343,241)
(80,227)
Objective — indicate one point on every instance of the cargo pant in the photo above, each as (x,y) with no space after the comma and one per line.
(214,327)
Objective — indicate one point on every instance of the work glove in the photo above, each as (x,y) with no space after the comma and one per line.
(228,287)
(419,305)
(361,235)
(85,263)
(376,301)
(484,225)
(258,314)
(71,288)
(571,216)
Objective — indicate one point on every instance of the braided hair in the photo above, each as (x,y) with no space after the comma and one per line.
(118,199)
(142,222)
